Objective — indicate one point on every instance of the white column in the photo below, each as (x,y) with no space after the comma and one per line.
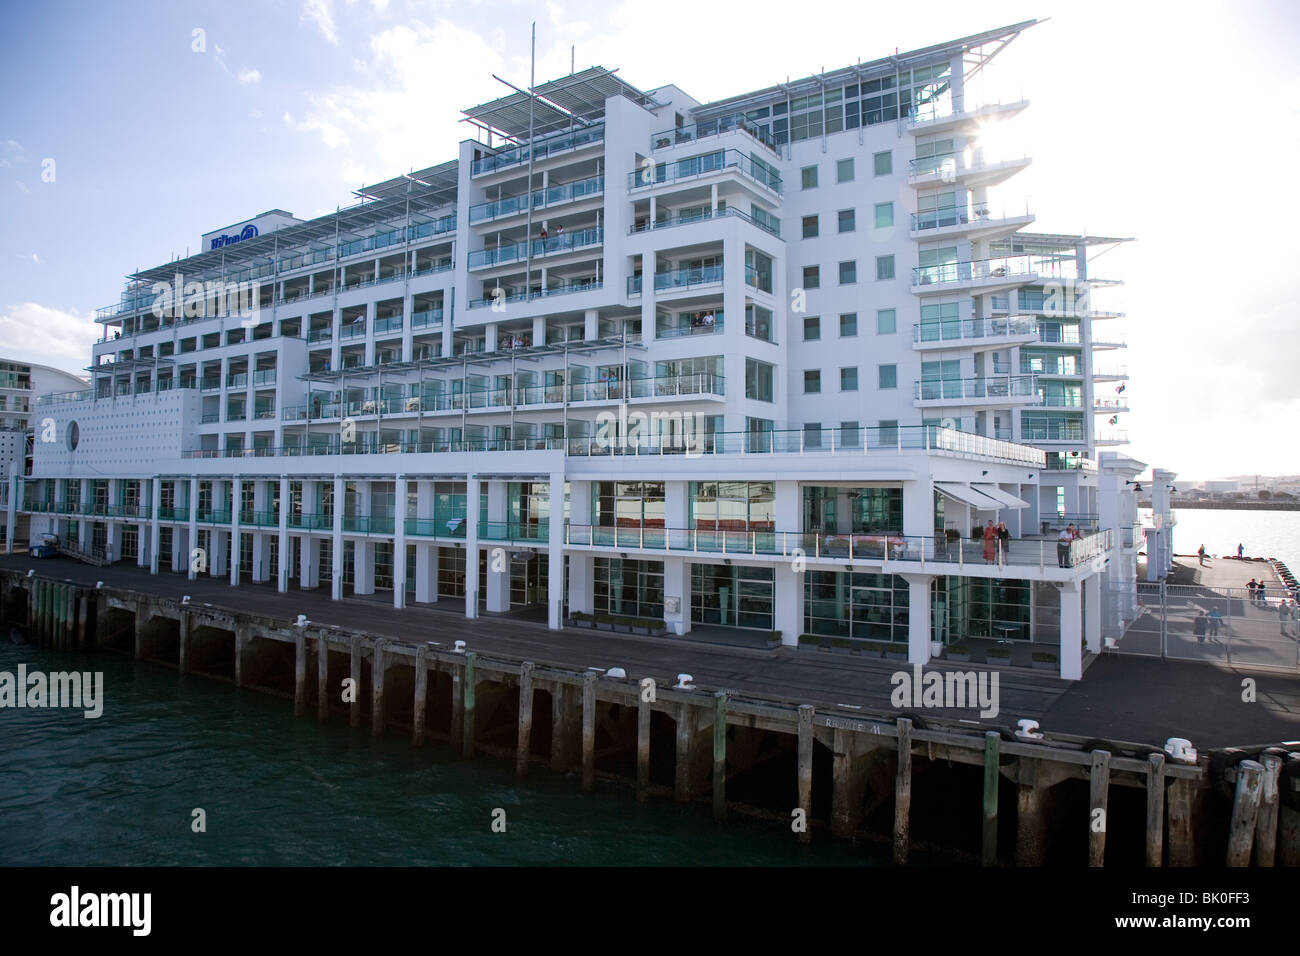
(426,555)
(789,598)
(591,318)
(282,558)
(309,562)
(918,508)
(677,586)
(363,549)
(336,584)
(918,614)
(498,567)
(236,502)
(555,554)
(471,546)
(192,508)
(261,541)
(399,543)
(1071,631)
(581,563)
(1092,612)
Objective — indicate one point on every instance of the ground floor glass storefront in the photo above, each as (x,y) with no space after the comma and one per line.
(732,596)
(857,605)
(628,587)
(981,607)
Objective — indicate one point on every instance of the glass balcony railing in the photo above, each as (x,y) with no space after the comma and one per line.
(961,216)
(426,318)
(705,324)
(542,199)
(541,148)
(963,329)
(1023,267)
(513,531)
(320,335)
(716,126)
(518,251)
(686,278)
(758,171)
(763,220)
(392,323)
(992,387)
(264,376)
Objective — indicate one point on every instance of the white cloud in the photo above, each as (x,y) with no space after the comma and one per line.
(46,335)
(321,13)
(250,75)
(36,258)
(11,152)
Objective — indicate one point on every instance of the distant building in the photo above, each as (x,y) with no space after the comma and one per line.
(1221,486)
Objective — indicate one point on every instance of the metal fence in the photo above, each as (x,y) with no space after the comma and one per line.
(1214,625)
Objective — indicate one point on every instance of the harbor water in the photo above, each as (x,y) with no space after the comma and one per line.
(1265,534)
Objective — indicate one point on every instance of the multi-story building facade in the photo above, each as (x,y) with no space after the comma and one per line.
(761,363)
(20,383)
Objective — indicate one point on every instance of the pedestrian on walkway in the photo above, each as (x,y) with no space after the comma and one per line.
(1004,541)
(1200,554)
(1216,622)
(1241,548)
(990,542)
(1250,589)
(1063,548)
(1284,618)
(1199,626)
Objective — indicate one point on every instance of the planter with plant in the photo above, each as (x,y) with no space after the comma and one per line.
(1044,660)
(957,652)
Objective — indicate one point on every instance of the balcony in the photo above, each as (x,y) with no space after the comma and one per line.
(1109,340)
(429,318)
(367,524)
(552,245)
(970,168)
(679,280)
(210,385)
(710,163)
(981,275)
(264,378)
(541,149)
(542,199)
(537,531)
(320,335)
(705,129)
(885,548)
(764,220)
(1109,405)
(1114,373)
(1115,436)
(989,390)
(705,324)
(387,325)
(1051,432)
(353,330)
(311,522)
(948,116)
(441,525)
(560,288)
(977,333)
(975,221)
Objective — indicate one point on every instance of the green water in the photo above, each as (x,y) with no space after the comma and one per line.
(276,790)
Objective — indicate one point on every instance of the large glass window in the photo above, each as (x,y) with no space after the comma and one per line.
(888,376)
(940,321)
(732,596)
(812,381)
(628,588)
(882,163)
(733,505)
(758,380)
(886,321)
(758,322)
(856,605)
(884,267)
(848,220)
(808,175)
(981,607)
(812,328)
(844,170)
(628,504)
(809,227)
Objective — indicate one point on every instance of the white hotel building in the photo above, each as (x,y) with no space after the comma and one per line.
(814,281)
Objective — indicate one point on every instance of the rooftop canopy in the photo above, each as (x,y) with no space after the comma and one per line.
(574,100)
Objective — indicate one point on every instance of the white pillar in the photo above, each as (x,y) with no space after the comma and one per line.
(309,562)
(155,528)
(426,555)
(472,492)
(498,566)
(918,509)
(336,557)
(399,543)
(789,598)
(236,549)
(192,508)
(1092,612)
(918,614)
(555,553)
(282,557)
(677,586)
(1071,631)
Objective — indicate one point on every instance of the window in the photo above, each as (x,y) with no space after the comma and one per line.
(849,272)
(812,328)
(812,435)
(812,277)
(848,220)
(850,435)
(809,227)
(849,379)
(758,380)
(889,431)
(884,267)
(848,324)
(884,215)
(888,376)
(812,381)
(886,321)
(844,171)
(808,177)
(883,163)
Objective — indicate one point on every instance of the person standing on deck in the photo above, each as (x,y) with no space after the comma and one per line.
(1198,627)
(1063,547)
(990,542)
(1216,622)
(1241,548)
(1200,554)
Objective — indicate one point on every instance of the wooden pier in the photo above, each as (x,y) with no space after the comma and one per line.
(1237,807)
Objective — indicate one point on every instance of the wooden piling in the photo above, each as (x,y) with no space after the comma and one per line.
(184,655)
(805,762)
(903,792)
(1155,809)
(468,692)
(1181,851)
(565,727)
(299,674)
(354,708)
(848,783)
(142,620)
(525,734)
(642,746)
(377,667)
(1266,819)
(1289,812)
(681,770)
(1245,809)
(588,731)
(421,695)
(720,756)
(243,637)
(989,836)
(322,678)
(1031,824)
(83,613)
(1099,799)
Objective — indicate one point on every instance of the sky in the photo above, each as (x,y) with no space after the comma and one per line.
(129,129)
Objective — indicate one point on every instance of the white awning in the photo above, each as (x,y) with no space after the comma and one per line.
(968,495)
(1007,498)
